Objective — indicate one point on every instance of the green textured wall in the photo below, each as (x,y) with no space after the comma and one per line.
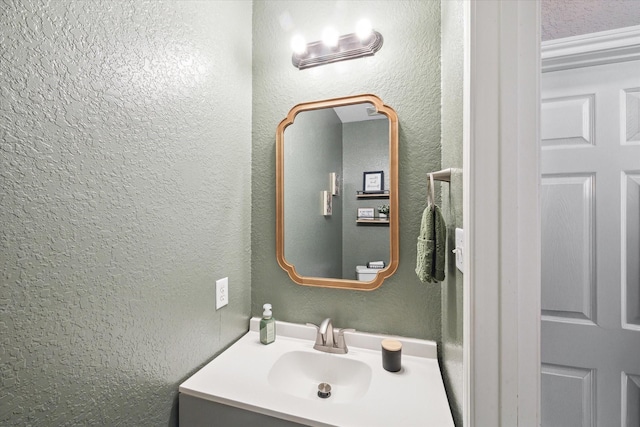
(125,175)
(452,91)
(405,73)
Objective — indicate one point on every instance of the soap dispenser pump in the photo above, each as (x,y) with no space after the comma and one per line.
(267,326)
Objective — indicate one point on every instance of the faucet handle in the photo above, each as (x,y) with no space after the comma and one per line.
(339,339)
(338,333)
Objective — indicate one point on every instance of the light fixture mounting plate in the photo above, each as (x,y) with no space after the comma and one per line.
(349,47)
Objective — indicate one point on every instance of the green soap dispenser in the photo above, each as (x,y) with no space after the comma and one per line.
(267,326)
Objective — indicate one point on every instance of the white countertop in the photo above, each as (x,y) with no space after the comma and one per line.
(415,396)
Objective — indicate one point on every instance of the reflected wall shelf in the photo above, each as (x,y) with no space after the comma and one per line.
(372,221)
(363,195)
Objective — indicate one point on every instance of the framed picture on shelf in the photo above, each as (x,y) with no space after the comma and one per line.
(373,182)
(366,213)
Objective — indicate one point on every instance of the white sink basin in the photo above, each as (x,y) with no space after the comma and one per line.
(281,380)
(299,373)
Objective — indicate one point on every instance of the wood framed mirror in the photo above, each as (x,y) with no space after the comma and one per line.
(337,209)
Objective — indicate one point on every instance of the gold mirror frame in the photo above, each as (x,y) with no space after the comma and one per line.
(394,223)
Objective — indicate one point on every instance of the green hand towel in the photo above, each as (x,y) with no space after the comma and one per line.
(431,246)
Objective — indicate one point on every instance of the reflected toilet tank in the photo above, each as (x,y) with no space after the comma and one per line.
(365,274)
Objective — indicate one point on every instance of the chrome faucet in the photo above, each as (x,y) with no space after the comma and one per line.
(330,339)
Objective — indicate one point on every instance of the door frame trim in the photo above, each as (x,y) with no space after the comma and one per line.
(501,214)
(501,204)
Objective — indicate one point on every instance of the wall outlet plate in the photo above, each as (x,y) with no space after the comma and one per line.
(222,293)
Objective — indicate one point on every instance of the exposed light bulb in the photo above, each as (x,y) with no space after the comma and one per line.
(330,37)
(364,29)
(298,44)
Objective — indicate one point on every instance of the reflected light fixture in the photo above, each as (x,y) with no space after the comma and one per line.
(333,48)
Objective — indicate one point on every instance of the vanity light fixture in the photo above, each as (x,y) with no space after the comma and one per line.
(330,38)
(298,45)
(333,48)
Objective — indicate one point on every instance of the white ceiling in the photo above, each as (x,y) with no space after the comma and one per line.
(565,18)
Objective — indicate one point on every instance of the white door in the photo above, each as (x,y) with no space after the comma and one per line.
(590,333)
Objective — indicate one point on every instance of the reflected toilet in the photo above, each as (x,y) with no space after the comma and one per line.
(365,274)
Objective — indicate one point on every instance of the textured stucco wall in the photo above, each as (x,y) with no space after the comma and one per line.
(313,149)
(452,131)
(366,148)
(125,176)
(565,18)
(405,73)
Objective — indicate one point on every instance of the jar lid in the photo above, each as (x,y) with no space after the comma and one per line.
(391,345)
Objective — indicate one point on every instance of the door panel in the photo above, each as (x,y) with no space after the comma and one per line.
(567,396)
(632,116)
(631,399)
(631,251)
(567,262)
(567,121)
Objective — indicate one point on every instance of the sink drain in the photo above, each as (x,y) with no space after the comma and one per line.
(324,390)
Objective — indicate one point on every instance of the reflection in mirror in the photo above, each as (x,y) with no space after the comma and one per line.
(329,228)
(346,141)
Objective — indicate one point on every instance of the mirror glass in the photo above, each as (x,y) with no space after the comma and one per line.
(337,192)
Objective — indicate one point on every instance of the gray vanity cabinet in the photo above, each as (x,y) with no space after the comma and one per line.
(195,412)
